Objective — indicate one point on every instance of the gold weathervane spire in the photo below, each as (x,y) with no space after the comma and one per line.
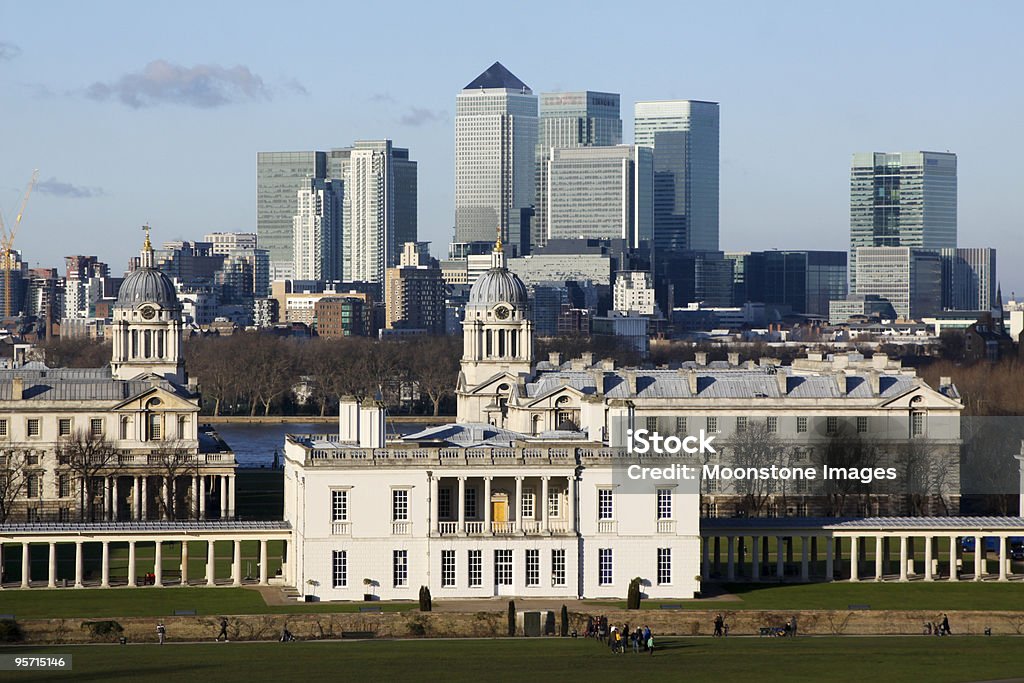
(146,246)
(497,245)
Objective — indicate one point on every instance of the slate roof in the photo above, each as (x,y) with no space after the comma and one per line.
(478,434)
(497,76)
(77,384)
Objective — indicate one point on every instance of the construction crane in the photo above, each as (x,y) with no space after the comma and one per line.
(7,243)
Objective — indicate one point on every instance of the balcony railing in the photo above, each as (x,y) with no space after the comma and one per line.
(341,528)
(401,528)
(531,526)
(474,528)
(607,526)
(558,526)
(447,528)
(503,528)
(193,459)
(666,526)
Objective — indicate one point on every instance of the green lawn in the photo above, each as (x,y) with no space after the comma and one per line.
(150,601)
(894,660)
(938,595)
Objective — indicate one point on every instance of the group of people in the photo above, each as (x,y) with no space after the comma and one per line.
(940,628)
(620,638)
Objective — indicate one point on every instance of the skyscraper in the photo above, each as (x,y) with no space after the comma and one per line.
(901,199)
(910,279)
(969,279)
(379,207)
(684,135)
(495,145)
(279,175)
(570,119)
(599,193)
(316,230)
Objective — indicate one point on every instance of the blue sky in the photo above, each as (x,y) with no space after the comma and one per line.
(137,112)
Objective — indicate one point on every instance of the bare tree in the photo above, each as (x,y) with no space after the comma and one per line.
(89,458)
(756,447)
(923,476)
(173,459)
(435,368)
(845,449)
(13,481)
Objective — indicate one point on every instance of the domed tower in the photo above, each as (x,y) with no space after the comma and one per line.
(497,335)
(147,324)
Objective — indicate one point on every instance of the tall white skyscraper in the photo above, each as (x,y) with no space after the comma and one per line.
(495,144)
(316,231)
(379,207)
(684,135)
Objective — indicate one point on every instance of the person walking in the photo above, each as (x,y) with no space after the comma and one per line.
(650,645)
(161,632)
(792,626)
(944,626)
(719,623)
(223,630)
(646,636)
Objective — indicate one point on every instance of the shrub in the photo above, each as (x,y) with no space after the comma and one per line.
(565,622)
(10,631)
(103,629)
(418,626)
(511,618)
(634,594)
(425,604)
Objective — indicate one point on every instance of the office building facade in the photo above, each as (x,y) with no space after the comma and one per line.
(684,136)
(910,279)
(495,147)
(805,281)
(969,279)
(279,176)
(317,231)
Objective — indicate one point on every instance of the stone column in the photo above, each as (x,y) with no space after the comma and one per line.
(78,564)
(236,564)
(780,567)
(136,499)
(106,497)
(903,558)
(879,554)
(979,557)
(26,565)
(51,580)
(570,501)
(755,559)
(544,481)
(115,487)
(855,558)
(952,559)
(264,569)
(167,487)
(435,507)
(1002,558)
(517,506)
(223,496)
(211,564)
(105,567)
(131,563)
(461,530)
(829,560)
(231,496)
(928,575)
(487,505)
(158,564)
(202,496)
(184,563)
(805,567)
(145,498)
(193,509)
(730,555)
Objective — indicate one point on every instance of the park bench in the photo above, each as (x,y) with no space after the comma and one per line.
(357,635)
(372,608)
(670,606)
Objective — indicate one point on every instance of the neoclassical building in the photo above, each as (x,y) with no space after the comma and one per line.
(126,435)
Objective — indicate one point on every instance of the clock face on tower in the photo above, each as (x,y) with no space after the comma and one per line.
(148,312)
(501,312)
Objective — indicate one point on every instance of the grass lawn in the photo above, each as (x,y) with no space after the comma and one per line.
(936,660)
(939,595)
(150,601)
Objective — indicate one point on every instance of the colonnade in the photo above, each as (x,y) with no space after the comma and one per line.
(143,489)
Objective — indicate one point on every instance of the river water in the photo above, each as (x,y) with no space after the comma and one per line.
(254,444)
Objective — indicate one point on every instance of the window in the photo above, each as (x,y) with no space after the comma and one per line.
(475,566)
(399,505)
(444,503)
(604,504)
(154,426)
(664,503)
(503,567)
(554,503)
(64,426)
(741,424)
(712,426)
(832,424)
(447,568)
(96,427)
(651,424)
(470,503)
(64,485)
(125,422)
(340,573)
(801,425)
(33,486)
(400,568)
(3,427)
(32,458)
(339,505)
(604,566)
(64,515)
(33,427)
(772,425)
(558,567)
(680,425)
(182,427)
(917,423)
(532,567)
(32,514)
(862,425)
(664,566)
(527,504)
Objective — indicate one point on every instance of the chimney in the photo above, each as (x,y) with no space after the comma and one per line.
(783,380)
(588,358)
(701,357)
(691,378)
(876,383)
(841,383)
(945,381)
(631,382)
(734,359)
(555,358)
(879,361)
(17,388)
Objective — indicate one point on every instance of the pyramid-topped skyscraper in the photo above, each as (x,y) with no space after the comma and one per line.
(495,139)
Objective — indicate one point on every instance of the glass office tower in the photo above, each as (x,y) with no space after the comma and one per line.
(495,145)
(684,135)
(279,176)
(901,199)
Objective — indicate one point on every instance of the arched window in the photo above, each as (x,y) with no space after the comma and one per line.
(501,343)
(154,426)
(135,344)
(160,344)
(126,423)
(147,343)
(514,339)
(182,427)
(487,344)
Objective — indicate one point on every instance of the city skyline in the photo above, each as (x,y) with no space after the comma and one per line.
(157,129)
